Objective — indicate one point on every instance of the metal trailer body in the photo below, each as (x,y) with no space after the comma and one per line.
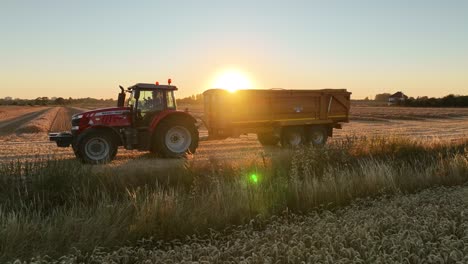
(272,112)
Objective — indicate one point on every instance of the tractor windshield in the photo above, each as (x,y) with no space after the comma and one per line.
(151,101)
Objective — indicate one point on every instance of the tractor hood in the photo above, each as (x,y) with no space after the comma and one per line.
(103,112)
(113,117)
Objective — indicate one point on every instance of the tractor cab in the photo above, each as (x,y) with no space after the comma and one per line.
(148,100)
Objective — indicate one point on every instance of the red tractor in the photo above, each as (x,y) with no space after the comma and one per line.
(149,122)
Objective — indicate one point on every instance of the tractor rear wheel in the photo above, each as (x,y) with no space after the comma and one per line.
(292,137)
(96,147)
(268,139)
(175,138)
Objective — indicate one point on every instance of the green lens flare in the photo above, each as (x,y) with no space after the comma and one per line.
(254,178)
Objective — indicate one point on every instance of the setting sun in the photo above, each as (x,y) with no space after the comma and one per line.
(232,81)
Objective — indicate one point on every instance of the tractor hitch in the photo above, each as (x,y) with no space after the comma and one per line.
(63,139)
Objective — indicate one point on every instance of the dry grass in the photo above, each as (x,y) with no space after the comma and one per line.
(50,207)
(428,227)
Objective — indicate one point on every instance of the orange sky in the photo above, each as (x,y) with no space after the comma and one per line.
(88,48)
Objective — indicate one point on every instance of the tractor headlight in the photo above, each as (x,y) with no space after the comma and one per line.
(77,117)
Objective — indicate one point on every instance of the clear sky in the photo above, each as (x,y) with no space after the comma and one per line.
(87,48)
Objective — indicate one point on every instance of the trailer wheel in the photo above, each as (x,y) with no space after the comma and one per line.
(268,139)
(317,136)
(174,139)
(292,137)
(96,147)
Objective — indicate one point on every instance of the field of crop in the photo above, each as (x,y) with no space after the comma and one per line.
(428,227)
(361,199)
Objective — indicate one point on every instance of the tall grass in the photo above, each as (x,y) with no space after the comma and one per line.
(51,207)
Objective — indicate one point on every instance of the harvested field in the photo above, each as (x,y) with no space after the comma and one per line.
(8,113)
(39,124)
(380,113)
(30,124)
(453,127)
(405,113)
(62,119)
(14,121)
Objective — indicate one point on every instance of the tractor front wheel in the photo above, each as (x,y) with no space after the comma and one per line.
(174,139)
(96,148)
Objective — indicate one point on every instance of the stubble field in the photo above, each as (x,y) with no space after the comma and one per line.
(439,124)
(373,195)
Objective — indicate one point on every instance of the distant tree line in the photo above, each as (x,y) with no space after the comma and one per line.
(447,101)
(193,99)
(424,101)
(56,101)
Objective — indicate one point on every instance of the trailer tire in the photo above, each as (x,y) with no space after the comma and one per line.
(317,136)
(293,136)
(175,138)
(96,147)
(268,139)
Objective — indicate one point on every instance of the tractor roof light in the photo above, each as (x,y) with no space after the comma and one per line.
(169,81)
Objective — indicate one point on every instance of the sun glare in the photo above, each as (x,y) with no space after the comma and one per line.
(232,81)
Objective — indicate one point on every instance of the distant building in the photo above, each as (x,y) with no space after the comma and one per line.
(397,98)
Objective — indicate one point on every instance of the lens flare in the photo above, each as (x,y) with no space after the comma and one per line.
(254,178)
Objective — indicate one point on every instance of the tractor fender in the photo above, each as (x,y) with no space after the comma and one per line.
(172,114)
(111,130)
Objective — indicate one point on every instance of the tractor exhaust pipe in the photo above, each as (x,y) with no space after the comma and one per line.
(121,98)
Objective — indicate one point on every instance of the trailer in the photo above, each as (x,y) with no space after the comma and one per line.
(292,117)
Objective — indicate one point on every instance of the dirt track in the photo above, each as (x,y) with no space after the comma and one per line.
(10,125)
